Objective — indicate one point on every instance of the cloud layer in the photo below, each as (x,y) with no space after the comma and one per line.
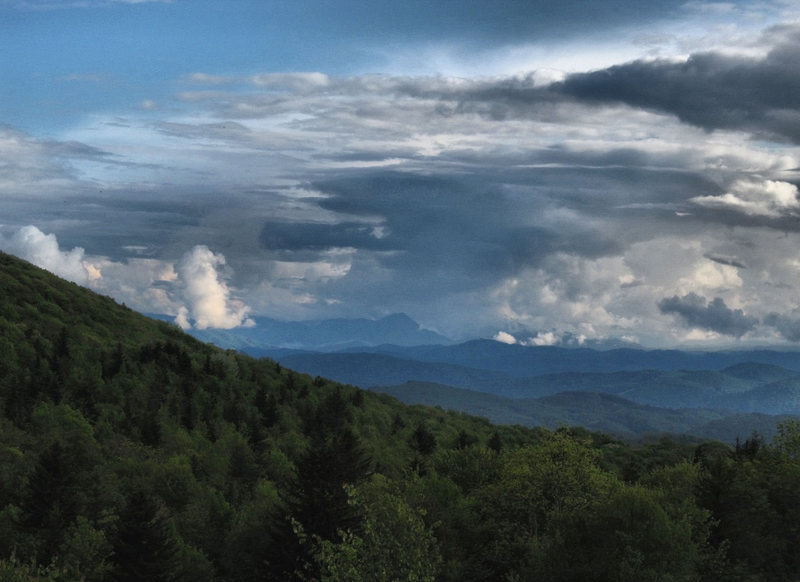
(654,200)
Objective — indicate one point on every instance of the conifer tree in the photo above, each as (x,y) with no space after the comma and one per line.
(145,547)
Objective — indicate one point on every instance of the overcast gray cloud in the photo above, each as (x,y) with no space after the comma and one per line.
(788,325)
(714,315)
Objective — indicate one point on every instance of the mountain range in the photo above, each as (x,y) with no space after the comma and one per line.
(322,335)
(626,392)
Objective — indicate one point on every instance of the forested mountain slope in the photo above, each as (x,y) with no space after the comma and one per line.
(130,451)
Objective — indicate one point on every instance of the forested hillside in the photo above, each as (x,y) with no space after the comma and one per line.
(131,451)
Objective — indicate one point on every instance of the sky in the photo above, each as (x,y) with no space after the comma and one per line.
(537,171)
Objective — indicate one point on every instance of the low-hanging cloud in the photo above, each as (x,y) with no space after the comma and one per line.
(697,311)
(505,338)
(208,297)
(788,326)
(195,288)
(43,250)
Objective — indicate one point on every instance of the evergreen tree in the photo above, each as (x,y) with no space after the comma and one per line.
(145,547)
(318,506)
(51,500)
(495,442)
(423,440)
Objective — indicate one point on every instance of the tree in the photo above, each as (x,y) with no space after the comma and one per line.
(787,441)
(62,483)
(535,486)
(495,442)
(85,552)
(422,440)
(317,503)
(626,536)
(51,500)
(394,544)
(321,504)
(145,547)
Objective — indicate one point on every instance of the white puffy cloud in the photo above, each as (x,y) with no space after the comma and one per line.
(544,338)
(208,297)
(504,338)
(619,296)
(770,198)
(43,250)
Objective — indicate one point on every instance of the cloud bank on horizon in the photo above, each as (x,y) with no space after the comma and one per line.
(533,173)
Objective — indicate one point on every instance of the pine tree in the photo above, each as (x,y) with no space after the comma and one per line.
(145,547)
(50,501)
(319,506)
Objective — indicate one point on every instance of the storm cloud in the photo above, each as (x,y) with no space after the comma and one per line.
(714,315)
(788,325)
(709,90)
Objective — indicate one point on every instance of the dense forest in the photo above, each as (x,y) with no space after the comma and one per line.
(131,451)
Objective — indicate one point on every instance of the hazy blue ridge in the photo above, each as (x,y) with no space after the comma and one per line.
(324,335)
(745,387)
(522,360)
(594,411)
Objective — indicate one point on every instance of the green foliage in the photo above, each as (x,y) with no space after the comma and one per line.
(85,553)
(145,545)
(625,535)
(13,570)
(787,440)
(395,545)
(423,440)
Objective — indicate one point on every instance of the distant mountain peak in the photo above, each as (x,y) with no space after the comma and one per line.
(324,334)
(400,319)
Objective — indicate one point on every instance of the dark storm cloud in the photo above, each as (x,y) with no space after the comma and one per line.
(697,311)
(105,222)
(299,236)
(786,325)
(729,261)
(436,233)
(709,90)
(489,220)
(75,150)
